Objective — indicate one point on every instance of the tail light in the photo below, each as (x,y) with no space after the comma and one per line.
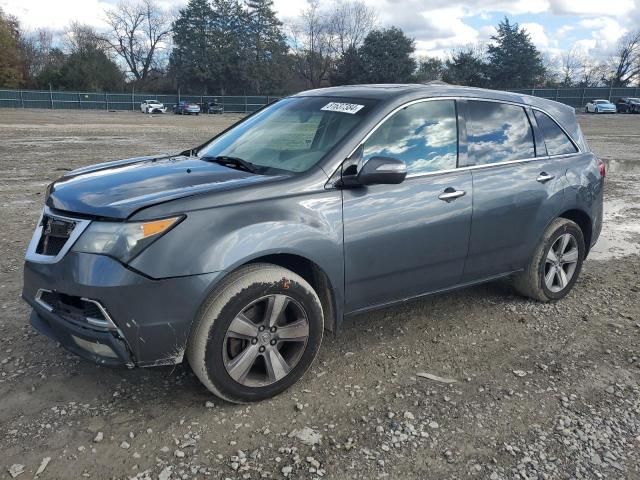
(602,168)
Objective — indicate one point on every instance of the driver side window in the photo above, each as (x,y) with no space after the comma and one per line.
(424,135)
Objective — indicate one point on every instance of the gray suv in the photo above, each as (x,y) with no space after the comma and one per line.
(240,253)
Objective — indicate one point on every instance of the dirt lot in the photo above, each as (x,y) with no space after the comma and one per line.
(542,391)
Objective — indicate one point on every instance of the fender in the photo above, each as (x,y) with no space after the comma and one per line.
(221,239)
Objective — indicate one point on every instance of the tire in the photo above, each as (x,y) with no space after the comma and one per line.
(225,333)
(532,283)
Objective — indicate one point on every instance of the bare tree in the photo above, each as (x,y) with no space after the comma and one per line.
(572,63)
(80,37)
(313,45)
(138,32)
(594,74)
(627,58)
(350,22)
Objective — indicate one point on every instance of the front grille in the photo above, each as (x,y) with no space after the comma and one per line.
(55,233)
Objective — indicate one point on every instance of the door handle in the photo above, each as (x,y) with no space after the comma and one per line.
(545,177)
(451,194)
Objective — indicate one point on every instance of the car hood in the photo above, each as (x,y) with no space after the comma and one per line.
(119,189)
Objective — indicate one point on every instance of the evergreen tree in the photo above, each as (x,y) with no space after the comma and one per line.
(514,61)
(190,58)
(269,61)
(349,68)
(429,69)
(466,67)
(387,56)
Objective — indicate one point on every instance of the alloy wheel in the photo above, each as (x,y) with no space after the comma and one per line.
(561,262)
(266,340)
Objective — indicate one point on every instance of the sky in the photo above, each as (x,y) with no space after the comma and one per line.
(590,26)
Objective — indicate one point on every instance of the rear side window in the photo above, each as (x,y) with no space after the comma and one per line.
(557,142)
(423,135)
(497,132)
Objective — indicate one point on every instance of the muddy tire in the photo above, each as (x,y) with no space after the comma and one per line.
(556,263)
(256,334)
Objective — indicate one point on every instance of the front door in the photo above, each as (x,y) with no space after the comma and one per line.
(404,240)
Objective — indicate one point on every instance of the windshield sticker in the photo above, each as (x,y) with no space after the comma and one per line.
(342,107)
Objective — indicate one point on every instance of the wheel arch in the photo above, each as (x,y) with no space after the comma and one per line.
(583,220)
(312,273)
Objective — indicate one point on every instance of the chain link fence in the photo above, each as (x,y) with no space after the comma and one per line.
(575,97)
(578,97)
(57,100)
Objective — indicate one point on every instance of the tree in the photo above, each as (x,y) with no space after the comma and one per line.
(137,34)
(594,74)
(572,62)
(190,57)
(312,44)
(627,67)
(466,67)
(11,67)
(268,46)
(350,22)
(429,69)
(349,68)
(86,66)
(387,56)
(514,61)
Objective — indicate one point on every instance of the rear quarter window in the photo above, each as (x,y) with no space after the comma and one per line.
(557,142)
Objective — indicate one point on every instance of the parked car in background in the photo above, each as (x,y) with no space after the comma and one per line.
(215,108)
(152,106)
(628,105)
(238,254)
(186,108)
(600,106)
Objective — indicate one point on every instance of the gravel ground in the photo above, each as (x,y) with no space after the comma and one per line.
(537,391)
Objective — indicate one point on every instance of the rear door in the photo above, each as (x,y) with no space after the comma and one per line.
(404,240)
(517,188)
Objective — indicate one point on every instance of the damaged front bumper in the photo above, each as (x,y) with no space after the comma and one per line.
(109,314)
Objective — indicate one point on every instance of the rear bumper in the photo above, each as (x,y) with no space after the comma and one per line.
(151,318)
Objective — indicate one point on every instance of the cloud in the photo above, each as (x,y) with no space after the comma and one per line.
(55,15)
(537,34)
(592,7)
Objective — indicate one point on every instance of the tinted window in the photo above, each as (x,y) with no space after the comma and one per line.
(424,135)
(498,132)
(556,140)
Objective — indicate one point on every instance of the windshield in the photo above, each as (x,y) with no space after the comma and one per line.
(293,134)
(601,101)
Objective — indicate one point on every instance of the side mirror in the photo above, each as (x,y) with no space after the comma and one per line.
(382,170)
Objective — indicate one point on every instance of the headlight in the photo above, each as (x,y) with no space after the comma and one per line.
(122,240)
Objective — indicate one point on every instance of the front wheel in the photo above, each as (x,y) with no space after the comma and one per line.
(556,263)
(257,334)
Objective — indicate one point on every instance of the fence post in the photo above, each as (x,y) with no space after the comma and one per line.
(21,99)
(178,95)
(610,89)
(133,94)
(557,94)
(582,101)
(106,101)
(79,100)
(51,96)
(246,107)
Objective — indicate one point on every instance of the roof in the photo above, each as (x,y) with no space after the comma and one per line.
(411,91)
(401,93)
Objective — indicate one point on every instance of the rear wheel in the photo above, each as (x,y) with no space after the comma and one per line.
(257,334)
(556,263)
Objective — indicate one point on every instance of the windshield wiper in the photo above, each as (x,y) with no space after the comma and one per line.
(232,162)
